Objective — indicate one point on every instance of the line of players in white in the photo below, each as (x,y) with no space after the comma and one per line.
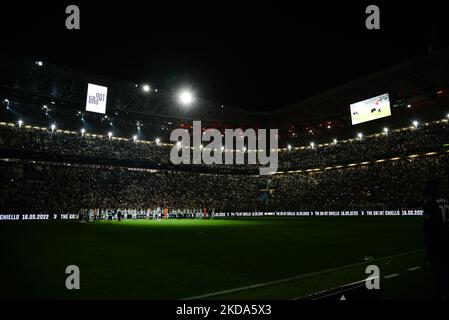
(155,214)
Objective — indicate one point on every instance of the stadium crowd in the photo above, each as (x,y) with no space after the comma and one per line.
(402,142)
(430,137)
(63,188)
(40,186)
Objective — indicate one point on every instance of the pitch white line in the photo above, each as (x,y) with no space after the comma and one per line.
(342,288)
(306,275)
(414,268)
(391,275)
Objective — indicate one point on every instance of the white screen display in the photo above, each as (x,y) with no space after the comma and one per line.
(96,98)
(371,109)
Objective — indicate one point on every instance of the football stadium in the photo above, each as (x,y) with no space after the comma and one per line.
(102,197)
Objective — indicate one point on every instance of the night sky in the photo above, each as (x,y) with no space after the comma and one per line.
(254,56)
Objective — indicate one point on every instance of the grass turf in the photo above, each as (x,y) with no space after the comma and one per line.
(183,258)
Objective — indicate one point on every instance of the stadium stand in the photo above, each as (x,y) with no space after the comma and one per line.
(62,169)
(64,187)
(429,137)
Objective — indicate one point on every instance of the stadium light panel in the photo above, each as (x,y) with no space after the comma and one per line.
(185,97)
(409,106)
(39,63)
(146,88)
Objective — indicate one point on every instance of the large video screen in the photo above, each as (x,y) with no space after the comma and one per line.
(96,98)
(371,109)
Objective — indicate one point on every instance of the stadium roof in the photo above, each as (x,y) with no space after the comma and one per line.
(425,75)
(257,57)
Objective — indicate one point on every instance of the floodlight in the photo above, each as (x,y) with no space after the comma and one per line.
(186,97)
(360,135)
(20,122)
(146,88)
(289,147)
(415,124)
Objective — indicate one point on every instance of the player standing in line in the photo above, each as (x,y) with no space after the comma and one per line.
(436,236)
(91,215)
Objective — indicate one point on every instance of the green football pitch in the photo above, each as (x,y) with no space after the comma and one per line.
(254,258)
